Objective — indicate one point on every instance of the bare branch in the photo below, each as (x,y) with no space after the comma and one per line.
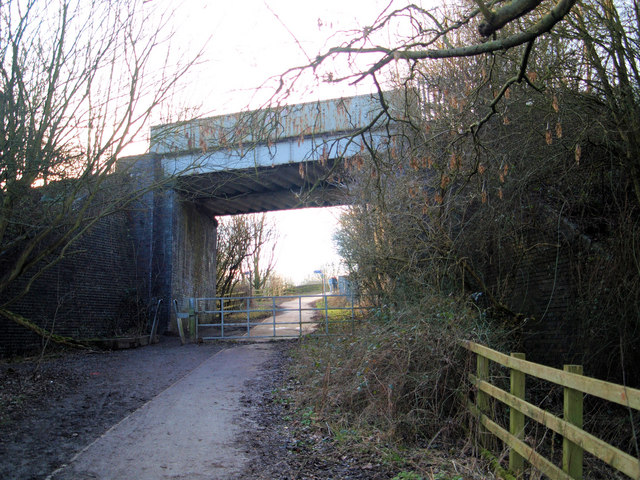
(504,15)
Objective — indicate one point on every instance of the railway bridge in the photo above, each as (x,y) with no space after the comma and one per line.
(255,161)
(164,246)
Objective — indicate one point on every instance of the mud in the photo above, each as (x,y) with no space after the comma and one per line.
(50,411)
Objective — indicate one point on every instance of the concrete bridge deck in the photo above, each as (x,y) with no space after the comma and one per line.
(266,159)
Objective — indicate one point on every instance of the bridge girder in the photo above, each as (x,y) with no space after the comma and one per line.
(251,161)
(263,189)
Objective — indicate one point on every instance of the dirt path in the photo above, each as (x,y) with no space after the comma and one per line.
(122,415)
(49,413)
(187,431)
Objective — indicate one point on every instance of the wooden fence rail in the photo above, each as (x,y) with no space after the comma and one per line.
(575,439)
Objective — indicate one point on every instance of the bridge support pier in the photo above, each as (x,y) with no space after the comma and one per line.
(176,242)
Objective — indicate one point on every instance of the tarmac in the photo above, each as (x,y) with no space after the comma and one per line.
(294,321)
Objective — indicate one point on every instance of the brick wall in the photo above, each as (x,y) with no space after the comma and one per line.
(162,247)
(535,279)
(110,280)
(542,290)
(89,293)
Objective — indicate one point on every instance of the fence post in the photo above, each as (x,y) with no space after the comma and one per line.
(192,319)
(572,454)
(248,316)
(482,399)
(516,418)
(273,310)
(222,317)
(300,315)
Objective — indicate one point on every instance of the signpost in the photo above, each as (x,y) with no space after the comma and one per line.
(320,272)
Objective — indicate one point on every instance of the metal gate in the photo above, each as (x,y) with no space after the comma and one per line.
(285,316)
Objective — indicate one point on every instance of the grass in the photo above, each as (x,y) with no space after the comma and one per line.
(265,306)
(338,312)
(242,316)
(367,443)
(308,289)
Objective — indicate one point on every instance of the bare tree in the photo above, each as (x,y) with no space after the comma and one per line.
(413,34)
(78,84)
(245,243)
(609,34)
(262,260)
(233,247)
(501,166)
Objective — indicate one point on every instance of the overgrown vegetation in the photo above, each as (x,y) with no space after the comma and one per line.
(388,377)
(398,387)
(520,189)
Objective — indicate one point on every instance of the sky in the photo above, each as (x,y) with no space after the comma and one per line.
(246,42)
(306,243)
(249,41)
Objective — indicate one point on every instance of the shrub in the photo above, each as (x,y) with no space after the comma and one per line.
(403,373)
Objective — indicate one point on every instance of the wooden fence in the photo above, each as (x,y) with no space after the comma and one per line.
(575,439)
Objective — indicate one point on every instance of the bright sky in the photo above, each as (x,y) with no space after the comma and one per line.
(252,40)
(249,41)
(306,242)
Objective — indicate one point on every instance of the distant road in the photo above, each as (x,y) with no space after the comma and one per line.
(287,324)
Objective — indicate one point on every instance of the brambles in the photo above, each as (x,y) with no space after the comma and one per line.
(519,187)
(400,374)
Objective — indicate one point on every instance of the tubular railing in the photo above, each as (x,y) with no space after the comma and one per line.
(266,316)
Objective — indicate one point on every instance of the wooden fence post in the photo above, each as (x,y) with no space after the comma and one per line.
(572,454)
(482,398)
(516,418)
